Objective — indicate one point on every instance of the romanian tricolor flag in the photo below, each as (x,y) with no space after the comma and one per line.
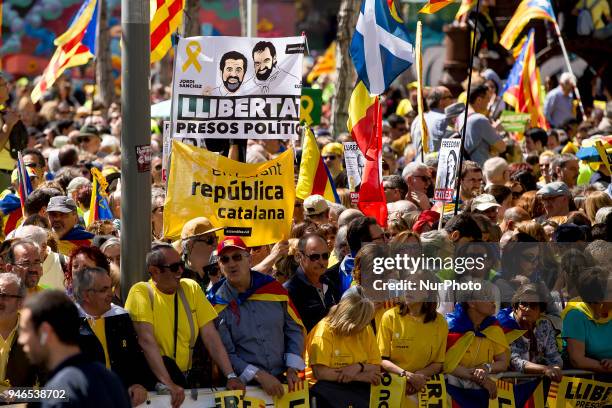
(365,125)
(433,6)
(523,87)
(314,177)
(166,17)
(75,47)
(461,333)
(263,288)
(326,64)
(76,237)
(98,206)
(528,10)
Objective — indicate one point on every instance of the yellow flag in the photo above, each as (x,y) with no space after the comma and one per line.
(389,393)
(253,201)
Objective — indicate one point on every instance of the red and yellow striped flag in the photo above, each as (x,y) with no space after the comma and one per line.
(433,6)
(527,11)
(166,17)
(326,63)
(75,47)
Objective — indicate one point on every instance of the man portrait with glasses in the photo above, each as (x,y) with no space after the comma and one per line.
(196,246)
(310,289)
(15,368)
(169,314)
(259,326)
(23,259)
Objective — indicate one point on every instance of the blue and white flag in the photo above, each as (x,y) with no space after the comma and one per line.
(381,47)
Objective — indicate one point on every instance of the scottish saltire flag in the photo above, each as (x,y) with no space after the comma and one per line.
(25,184)
(526,11)
(381,47)
(98,206)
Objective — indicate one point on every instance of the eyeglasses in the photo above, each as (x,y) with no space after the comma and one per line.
(105,289)
(31,165)
(83,139)
(160,209)
(28,265)
(316,257)
(330,157)
(9,296)
(225,259)
(208,241)
(174,268)
(529,305)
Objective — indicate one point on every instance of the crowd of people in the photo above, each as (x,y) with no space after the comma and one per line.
(211,311)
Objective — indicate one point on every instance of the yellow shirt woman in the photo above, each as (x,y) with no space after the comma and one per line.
(409,343)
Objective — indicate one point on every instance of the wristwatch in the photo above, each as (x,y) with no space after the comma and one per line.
(232,376)
(487,367)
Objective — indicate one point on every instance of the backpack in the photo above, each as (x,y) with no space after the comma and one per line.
(584,25)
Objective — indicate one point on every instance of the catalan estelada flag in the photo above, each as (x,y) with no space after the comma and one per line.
(326,63)
(526,11)
(314,176)
(98,206)
(166,17)
(23,179)
(10,210)
(365,125)
(263,288)
(511,328)
(523,87)
(75,47)
(76,237)
(433,6)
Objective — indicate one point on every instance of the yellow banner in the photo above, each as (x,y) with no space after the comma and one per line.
(296,399)
(389,393)
(505,396)
(434,394)
(579,392)
(253,201)
(228,399)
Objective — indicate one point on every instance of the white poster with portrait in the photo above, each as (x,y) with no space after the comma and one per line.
(237,88)
(448,163)
(354,162)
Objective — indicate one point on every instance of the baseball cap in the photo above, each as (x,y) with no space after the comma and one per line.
(556,188)
(483,202)
(61,204)
(454,110)
(231,242)
(332,148)
(315,205)
(89,130)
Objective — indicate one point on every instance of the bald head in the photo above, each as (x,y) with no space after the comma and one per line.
(348,215)
(513,216)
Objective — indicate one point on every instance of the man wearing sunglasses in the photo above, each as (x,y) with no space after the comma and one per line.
(166,333)
(196,246)
(14,364)
(258,323)
(312,291)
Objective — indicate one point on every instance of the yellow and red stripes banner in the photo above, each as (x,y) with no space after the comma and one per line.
(526,11)
(166,17)
(433,6)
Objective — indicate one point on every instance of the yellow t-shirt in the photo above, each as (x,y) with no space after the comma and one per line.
(334,351)
(99,328)
(410,343)
(598,9)
(5,349)
(139,307)
(481,351)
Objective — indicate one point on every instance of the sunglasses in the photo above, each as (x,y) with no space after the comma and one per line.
(83,139)
(330,157)
(174,268)
(224,259)
(316,257)
(7,296)
(529,305)
(158,167)
(208,241)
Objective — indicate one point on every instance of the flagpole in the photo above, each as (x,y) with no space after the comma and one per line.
(569,67)
(465,117)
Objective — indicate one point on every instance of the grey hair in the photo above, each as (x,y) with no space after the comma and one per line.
(567,77)
(341,245)
(8,278)
(156,255)
(157,193)
(83,281)
(559,162)
(336,209)
(412,168)
(10,255)
(109,243)
(32,232)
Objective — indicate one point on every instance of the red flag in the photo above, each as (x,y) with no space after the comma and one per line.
(365,125)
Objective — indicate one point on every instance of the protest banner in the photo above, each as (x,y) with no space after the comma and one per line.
(389,393)
(311,105)
(446,177)
(354,162)
(434,393)
(514,121)
(505,396)
(237,87)
(298,398)
(253,201)
(228,399)
(579,392)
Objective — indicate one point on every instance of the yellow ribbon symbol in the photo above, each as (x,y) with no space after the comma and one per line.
(193,50)
(307,107)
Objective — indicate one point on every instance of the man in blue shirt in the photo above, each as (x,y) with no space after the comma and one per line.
(435,119)
(558,107)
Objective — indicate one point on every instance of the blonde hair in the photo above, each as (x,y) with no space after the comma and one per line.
(595,201)
(352,314)
(534,229)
